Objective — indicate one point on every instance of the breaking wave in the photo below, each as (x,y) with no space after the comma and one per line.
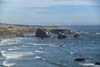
(8,42)
(15,55)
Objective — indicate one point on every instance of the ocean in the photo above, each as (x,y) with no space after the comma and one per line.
(47,52)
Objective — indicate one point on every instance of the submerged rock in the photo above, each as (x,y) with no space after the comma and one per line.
(97,63)
(42,33)
(61,35)
(80,59)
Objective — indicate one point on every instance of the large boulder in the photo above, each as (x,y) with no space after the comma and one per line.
(42,33)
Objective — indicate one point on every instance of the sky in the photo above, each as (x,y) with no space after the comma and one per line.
(50,12)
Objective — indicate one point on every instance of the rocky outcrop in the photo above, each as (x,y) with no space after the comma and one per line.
(61,35)
(42,33)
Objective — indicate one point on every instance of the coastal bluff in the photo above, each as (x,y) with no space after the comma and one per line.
(15,30)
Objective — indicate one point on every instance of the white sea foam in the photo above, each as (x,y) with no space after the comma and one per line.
(20,38)
(14,48)
(98,33)
(41,44)
(38,57)
(40,48)
(11,57)
(87,64)
(8,42)
(72,53)
(37,51)
(25,46)
(5,63)
(15,55)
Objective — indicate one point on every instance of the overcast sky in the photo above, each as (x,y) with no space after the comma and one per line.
(50,12)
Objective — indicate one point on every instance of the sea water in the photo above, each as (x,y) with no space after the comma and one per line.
(36,52)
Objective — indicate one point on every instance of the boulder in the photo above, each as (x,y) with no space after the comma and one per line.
(80,59)
(97,63)
(42,33)
(61,35)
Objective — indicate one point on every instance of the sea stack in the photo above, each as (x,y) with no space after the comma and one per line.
(42,33)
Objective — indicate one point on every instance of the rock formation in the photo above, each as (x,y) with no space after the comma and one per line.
(42,33)
(61,35)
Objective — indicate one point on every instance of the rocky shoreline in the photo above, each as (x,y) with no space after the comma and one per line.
(12,30)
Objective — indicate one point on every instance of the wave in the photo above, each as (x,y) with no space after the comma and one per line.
(15,55)
(8,42)
(87,64)
(14,48)
(37,51)
(39,58)
(7,64)
(26,46)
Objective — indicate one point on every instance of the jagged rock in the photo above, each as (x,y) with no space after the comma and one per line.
(61,35)
(42,33)
(80,59)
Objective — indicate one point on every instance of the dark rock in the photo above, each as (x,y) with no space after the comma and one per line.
(61,35)
(97,63)
(42,33)
(80,59)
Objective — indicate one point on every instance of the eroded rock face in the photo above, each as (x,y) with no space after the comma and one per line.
(42,33)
